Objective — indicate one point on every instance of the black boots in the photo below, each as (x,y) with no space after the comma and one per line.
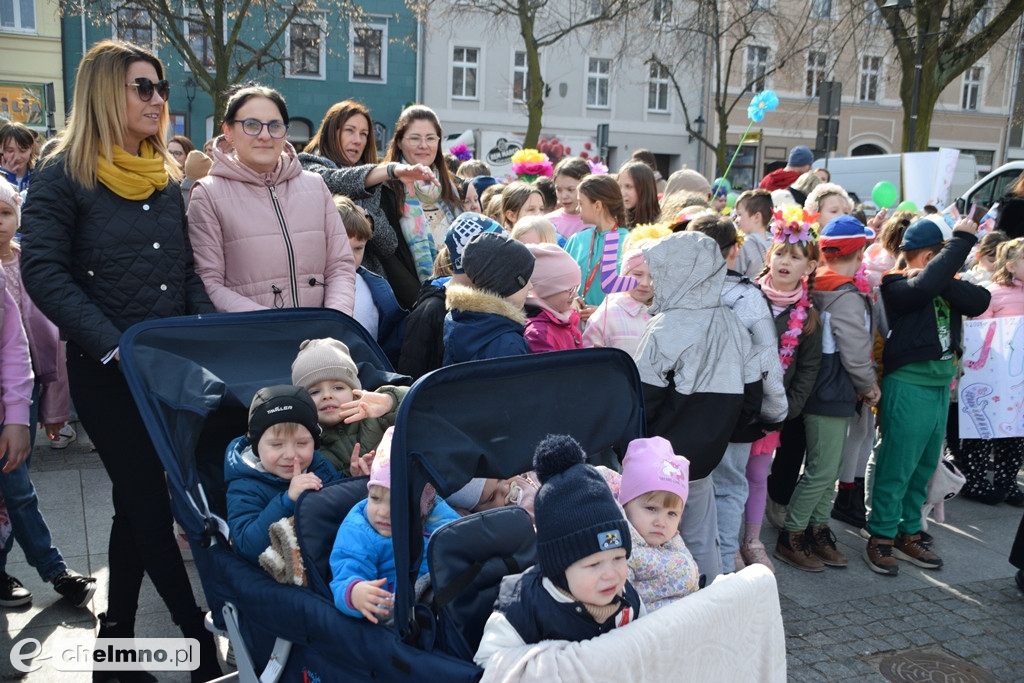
(209,666)
(849,505)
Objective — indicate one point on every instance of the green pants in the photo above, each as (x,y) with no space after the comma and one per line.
(812,499)
(913,424)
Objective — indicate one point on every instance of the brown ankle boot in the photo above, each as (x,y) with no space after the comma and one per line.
(823,544)
(910,548)
(878,555)
(792,549)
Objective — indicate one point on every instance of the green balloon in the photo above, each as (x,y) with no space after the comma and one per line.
(722,182)
(884,194)
(907,205)
(730,199)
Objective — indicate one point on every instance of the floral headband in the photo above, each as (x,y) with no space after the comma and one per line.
(793,224)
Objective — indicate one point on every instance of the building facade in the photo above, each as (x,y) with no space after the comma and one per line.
(474,77)
(974,114)
(31,85)
(326,59)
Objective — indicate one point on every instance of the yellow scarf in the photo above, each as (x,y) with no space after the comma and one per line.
(133,177)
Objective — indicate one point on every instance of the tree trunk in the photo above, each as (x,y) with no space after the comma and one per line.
(534,81)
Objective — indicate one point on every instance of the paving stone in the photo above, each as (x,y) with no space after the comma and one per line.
(834,670)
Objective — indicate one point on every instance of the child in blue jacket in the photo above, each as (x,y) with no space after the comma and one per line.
(271,465)
(363,557)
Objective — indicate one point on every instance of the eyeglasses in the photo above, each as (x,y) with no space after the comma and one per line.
(146,88)
(254,127)
(417,140)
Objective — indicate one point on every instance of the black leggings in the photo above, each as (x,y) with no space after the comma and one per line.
(142,535)
(789,457)
(974,459)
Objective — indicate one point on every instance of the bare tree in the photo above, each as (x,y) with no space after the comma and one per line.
(942,38)
(223,42)
(712,40)
(541,24)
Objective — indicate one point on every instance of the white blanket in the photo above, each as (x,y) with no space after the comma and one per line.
(729,631)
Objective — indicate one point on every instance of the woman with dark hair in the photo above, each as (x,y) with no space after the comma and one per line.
(344,153)
(426,209)
(266,233)
(106,246)
(179,146)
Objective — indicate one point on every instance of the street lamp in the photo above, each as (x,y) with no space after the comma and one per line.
(190,94)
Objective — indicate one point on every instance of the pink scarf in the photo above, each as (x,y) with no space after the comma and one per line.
(779,297)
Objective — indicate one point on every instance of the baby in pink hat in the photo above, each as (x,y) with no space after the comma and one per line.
(652,490)
(363,557)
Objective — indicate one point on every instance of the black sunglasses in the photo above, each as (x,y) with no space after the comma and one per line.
(146,88)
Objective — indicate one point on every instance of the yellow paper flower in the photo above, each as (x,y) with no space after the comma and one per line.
(528,156)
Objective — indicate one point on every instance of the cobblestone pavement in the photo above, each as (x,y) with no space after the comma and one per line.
(962,623)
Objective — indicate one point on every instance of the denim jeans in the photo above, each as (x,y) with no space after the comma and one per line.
(699,528)
(27,524)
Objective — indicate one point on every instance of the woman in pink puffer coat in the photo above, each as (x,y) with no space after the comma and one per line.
(265,233)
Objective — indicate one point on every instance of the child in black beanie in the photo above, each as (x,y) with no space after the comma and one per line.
(578,588)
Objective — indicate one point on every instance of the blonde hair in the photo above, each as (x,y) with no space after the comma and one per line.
(819,193)
(642,234)
(280,429)
(544,228)
(443,263)
(357,226)
(807,182)
(663,498)
(1007,252)
(98,118)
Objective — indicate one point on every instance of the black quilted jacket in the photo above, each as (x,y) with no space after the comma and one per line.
(96,263)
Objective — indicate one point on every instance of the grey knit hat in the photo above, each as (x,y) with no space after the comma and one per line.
(324,360)
(497,263)
(575,511)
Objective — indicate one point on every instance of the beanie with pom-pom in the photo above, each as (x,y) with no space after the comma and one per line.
(575,512)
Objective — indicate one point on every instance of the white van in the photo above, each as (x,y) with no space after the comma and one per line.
(858,175)
(989,189)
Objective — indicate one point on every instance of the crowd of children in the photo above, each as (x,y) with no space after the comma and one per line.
(757,341)
(769,341)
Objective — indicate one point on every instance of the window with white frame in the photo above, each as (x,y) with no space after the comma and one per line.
(133,25)
(870,68)
(971,98)
(815,73)
(595,7)
(598,75)
(872,14)
(662,11)
(763,5)
(465,63)
(18,15)
(756,67)
(520,82)
(305,48)
(198,38)
(979,21)
(821,9)
(657,89)
(368,50)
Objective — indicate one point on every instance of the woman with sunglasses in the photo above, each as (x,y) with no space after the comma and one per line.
(344,153)
(266,233)
(105,246)
(426,209)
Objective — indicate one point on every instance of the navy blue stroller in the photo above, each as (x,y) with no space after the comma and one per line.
(193,379)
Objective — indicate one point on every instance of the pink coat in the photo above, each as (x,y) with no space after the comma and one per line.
(45,347)
(269,240)
(545,332)
(1006,301)
(15,367)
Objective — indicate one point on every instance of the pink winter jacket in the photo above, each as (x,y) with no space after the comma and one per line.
(544,332)
(269,240)
(15,367)
(45,348)
(1006,301)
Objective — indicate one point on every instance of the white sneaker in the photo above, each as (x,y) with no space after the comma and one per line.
(64,438)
